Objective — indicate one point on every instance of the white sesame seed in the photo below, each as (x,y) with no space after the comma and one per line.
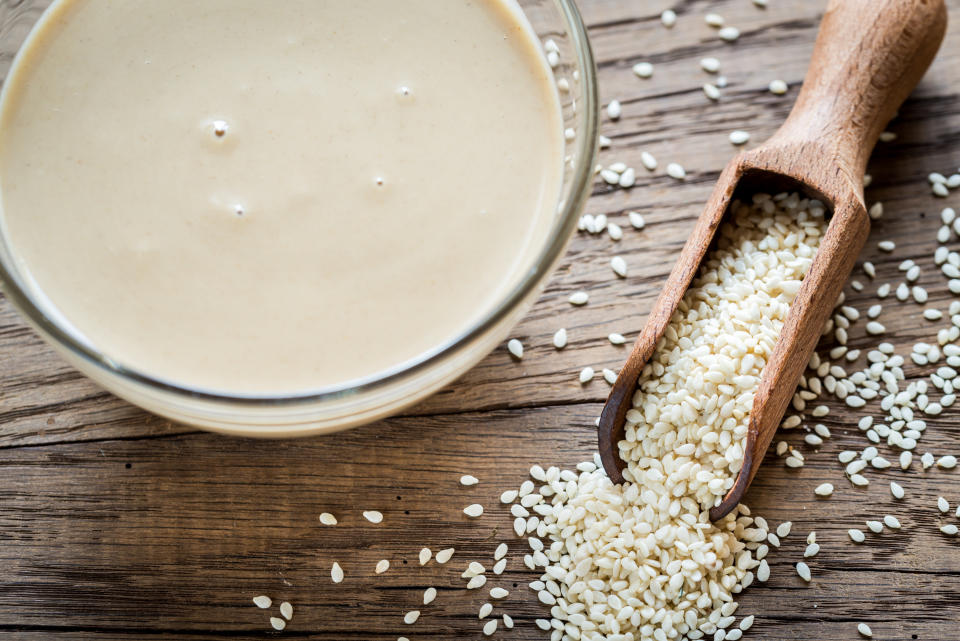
(263,601)
(711,91)
(286,610)
(474,510)
(476,582)
(586,375)
(950,529)
(864,629)
(778,87)
(616,339)
(468,479)
(498,593)
(424,556)
(886,245)
(947,462)
(336,573)
(619,266)
(729,34)
(804,571)
(896,490)
(614,110)
(507,621)
(560,338)
(891,522)
(811,550)
(578,298)
(648,160)
(856,535)
(643,69)
(739,137)
(676,171)
(429,595)
(490,627)
(710,65)
(444,555)
(609,376)
(485,611)
(628,178)
(373,516)
(382,566)
(668,18)
(943,505)
(824,489)
(411,617)
(277,623)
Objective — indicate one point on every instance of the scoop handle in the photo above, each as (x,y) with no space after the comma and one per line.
(868,57)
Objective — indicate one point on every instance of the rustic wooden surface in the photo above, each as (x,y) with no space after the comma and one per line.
(119,525)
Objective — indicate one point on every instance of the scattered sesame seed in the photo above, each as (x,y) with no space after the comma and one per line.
(286,610)
(864,629)
(474,510)
(711,91)
(586,375)
(729,34)
(328,519)
(424,556)
(619,266)
(778,87)
(614,110)
(891,522)
(824,489)
(710,65)
(560,338)
(950,529)
(490,627)
(856,535)
(468,479)
(643,69)
(803,570)
(277,623)
(411,617)
(739,137)
(896,490)
(578,298)
(373,516)
(676,171)
(444,555)
(336,573)
(429,595)
(263,602)
(668,18)
(382,566)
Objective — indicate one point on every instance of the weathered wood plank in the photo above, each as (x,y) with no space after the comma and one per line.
(197,525)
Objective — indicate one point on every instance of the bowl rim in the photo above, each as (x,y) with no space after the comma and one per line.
(585,148)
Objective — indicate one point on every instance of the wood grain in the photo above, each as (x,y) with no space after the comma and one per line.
(175,545)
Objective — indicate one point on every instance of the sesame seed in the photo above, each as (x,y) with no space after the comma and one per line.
(468,479)
(277,623)
(476,582)
(648,161)
(891,522)
(578,298)
(950,529)
(711,91)
(373,516)
(856,535)
(424,556)
(864,629)
(619,266)
(382,566)
(824,489)
(263,602)
(474,510)
(875,526)
(668,18)
(739,137)
(444,555)
(429,595)
(498,593)
(643,69)
(729,34)
(676,171)
(811,550)
(485,611)
(490,627)
(778,87)
(896,490)
(710,65)
(286,610)
(411,617)
(336,573)
(586,375)
(614,110)
(803,570)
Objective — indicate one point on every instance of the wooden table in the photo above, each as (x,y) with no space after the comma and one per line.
(119,525)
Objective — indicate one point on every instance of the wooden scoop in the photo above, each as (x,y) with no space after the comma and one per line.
(868,57)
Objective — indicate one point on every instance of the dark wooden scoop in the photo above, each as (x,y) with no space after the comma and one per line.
(868,57)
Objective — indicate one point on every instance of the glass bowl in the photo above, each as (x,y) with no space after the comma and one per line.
(364,400)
